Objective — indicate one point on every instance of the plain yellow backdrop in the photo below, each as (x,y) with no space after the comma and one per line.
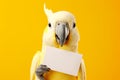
(21,27)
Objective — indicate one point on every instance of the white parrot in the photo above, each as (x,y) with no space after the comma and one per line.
(61,32)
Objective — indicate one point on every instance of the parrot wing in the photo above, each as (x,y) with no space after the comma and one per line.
(34,65)
(82,71)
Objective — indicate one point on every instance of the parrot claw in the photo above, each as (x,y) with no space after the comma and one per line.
(41,70)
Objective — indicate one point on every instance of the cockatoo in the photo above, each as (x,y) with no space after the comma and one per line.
(61,32)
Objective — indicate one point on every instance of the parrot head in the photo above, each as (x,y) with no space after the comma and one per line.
(61,29)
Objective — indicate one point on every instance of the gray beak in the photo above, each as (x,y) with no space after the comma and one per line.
(62,32)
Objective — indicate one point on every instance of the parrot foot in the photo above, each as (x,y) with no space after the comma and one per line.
(41,70)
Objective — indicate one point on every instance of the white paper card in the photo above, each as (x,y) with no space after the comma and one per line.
(62,61)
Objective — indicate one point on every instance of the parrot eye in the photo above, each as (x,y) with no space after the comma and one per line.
(74,25)
(49,24)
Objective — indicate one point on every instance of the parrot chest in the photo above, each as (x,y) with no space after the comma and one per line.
(53,75)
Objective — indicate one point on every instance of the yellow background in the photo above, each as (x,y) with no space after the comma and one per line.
(21,27)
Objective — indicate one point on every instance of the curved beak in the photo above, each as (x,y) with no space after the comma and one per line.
(62,33)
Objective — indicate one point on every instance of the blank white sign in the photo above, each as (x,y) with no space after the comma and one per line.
(62,61)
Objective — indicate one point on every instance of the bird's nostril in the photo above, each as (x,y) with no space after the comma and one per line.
(66,23)
(58,23)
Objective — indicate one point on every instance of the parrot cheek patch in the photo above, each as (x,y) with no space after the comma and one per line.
(62,61)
